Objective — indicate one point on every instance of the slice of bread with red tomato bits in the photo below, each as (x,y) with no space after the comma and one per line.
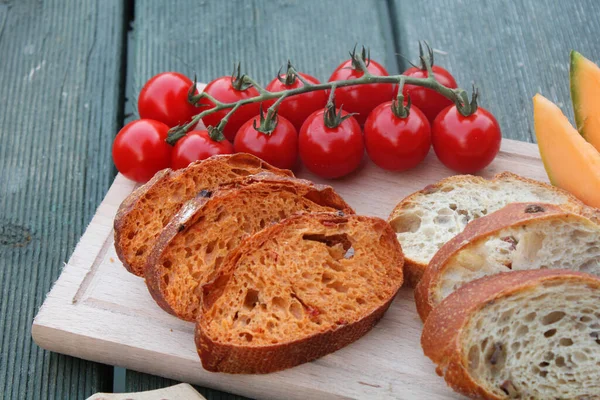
(298,290)
(192,247)
(147,210)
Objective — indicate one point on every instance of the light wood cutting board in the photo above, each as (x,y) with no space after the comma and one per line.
(183,391)
(98,311)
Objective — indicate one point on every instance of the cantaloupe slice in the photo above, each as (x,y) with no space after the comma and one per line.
(571,163)
(585,95)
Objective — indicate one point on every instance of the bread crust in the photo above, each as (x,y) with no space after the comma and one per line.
(512,215)
(192,211)
(413,269)
(161,181)
(220,357)
(234,359)
(130,202)
(441,338)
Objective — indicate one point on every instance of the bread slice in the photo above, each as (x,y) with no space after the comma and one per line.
(148,209)
(298,290)
(194,244)
(427,219)
(517,237)
(524,334)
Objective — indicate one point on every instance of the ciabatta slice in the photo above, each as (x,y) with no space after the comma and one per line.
(147,210)
(521,335)
(517,237)
(196,241)
(298,290)
(427,219)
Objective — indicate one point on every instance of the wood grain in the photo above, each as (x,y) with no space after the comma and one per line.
(60,69)
(181,391)
(207,37)
(510,49)
(99,311)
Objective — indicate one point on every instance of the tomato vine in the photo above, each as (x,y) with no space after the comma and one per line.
(459,96)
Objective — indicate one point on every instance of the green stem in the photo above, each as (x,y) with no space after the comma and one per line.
(452,94)
(252,82)
(272,111)
(458,96)
(225,119)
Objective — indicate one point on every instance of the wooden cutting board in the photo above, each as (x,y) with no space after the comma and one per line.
(177,392)
(98,311)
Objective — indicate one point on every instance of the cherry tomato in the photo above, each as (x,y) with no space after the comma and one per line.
(197,145)
(361,99)
(466,144)
(223,90)
(330,152)
(395,143)
(164,98)
(429,101)
(279,148)
(297,108)
(139,150)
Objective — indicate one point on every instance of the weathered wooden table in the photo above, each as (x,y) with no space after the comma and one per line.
(70,72)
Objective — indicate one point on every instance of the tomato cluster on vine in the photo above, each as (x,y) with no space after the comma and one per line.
(328,132)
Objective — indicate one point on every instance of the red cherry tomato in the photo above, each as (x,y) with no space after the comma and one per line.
(361,99)
(279,148)
(222,89)
(394,143)
(164,98)
(330,152)
(197,145)
(466,144)
(429,101)
(297,108)
(139,150)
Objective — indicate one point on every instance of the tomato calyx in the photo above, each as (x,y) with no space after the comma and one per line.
(360,60)
(331,116)
(192,97)
(215,133)
(463,105)
(290,75)
(238,80)
(267,123)
(399,109)
(426,61)
(472,108)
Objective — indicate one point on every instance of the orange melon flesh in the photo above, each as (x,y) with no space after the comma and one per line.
(584,78)
(571,163)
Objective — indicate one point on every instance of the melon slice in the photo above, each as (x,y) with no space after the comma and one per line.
(585,95)
(571,163)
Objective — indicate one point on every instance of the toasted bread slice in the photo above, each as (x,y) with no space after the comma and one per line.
(194,244)
(147,210)
(523,334)
(298,290)
(427,219)
(517,237)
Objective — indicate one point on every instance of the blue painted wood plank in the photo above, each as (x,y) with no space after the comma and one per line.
(60,69)
(510,49)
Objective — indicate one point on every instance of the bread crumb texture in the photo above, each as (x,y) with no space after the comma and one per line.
(148,210)
(426,220)
(196,253)
(310,277)
(567,243)
(539,343)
